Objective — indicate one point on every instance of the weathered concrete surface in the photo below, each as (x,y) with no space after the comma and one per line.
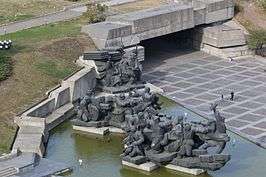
(61,95)
(30,141)
(35,123)
(224,40)
(148,166)
(80,82)
(185,170)
(43,109)
(30,165)
(92,130)
(117,2)
(21,163)
(116,130)
(59,115)
(131,28)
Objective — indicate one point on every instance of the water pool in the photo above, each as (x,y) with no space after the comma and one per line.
(100,156)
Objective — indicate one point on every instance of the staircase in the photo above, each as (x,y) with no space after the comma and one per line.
(11,171)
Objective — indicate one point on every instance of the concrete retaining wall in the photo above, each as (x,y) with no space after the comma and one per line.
(35,123)
(223,40)
(130,28)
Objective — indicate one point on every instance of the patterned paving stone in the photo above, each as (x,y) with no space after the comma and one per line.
(197,80)
(211,76)
(250,105)
(250,73)
(224,103)
(243,60)
(212,67)
(238,98)
(198,71)
(210,86)
(225,63)
(237,68)
(183,84)
(252,131)
(158,83)
(159,73)
(175,69)
(251,117)
(260,69)
(200,62)
(170,79)
(260,89)
(236,123)
(204,108)
(261,99)
(213,59)
(169,89)
(207,97)
(249,65)
(186,65)
(250,93)
(261,125)
(194,90)
(250,83)
(223,81)
(227,115)
(237,77)
(235,110)
(180,95)
(184,75)
(260,78)
(193,102)
(236,88)
(261,111)
(221,91)
(148,77)
(224,72)
(262,139)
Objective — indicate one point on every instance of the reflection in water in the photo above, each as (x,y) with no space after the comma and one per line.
(100,155)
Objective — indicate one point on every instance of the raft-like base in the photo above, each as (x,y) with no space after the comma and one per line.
(148,166)
(93,130)
(116,130)
(192,171)
(99,131)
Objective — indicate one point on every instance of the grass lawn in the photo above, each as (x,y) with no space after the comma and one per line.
(14,10)
(41,57)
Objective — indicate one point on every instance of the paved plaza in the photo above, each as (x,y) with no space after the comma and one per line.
(196,79)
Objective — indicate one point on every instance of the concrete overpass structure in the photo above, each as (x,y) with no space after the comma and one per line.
(131,28)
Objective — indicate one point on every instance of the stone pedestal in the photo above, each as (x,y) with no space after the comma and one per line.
(122,89)
(192,171)
(148,166)
(116,130)
(92,130)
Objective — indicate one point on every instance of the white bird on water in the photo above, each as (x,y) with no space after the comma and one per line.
(80,162)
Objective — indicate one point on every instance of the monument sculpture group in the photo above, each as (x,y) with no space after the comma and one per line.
(151,136)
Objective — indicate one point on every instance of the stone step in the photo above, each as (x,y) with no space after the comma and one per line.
(11,171)
(59,115)
(22,162)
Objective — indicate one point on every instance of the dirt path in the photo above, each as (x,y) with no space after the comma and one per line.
(46,19)
(254,14)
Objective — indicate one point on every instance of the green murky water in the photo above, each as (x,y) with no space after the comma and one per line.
(100,156)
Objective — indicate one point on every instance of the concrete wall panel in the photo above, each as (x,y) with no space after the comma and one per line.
(43,109)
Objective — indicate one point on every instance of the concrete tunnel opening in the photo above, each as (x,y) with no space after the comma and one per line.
(160,49)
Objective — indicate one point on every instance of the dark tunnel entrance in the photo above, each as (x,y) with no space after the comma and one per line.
(160,49)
